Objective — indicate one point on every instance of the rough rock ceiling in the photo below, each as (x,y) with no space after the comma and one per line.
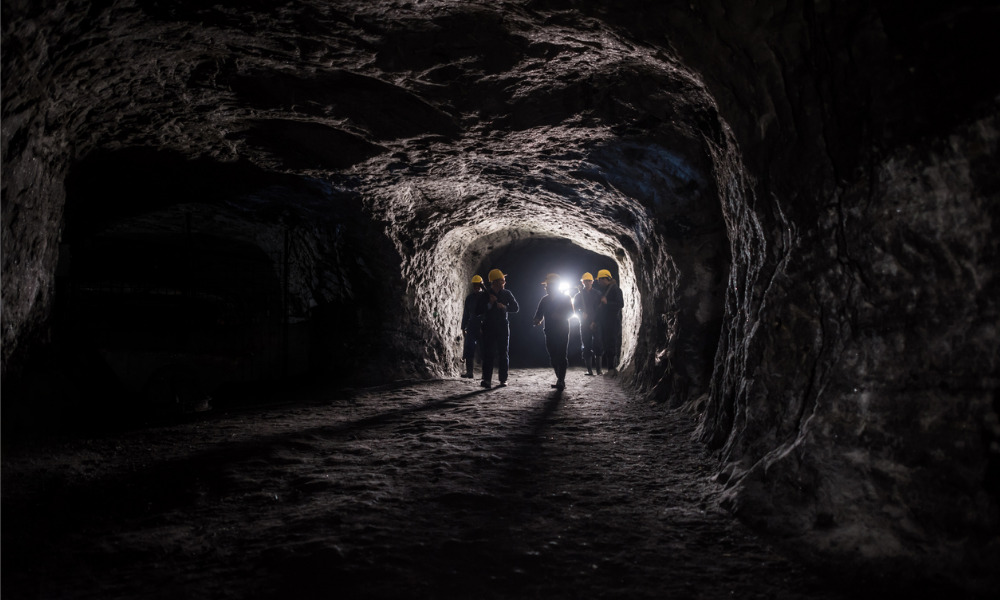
(822,175)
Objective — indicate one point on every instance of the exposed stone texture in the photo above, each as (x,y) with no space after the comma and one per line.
(899,370)
(800,199)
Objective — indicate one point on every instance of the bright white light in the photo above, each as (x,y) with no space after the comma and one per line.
(564,287)
(575,316)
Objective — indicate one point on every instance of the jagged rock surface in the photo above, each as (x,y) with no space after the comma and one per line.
(799,198)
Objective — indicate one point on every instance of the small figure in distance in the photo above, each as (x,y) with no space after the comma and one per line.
(555,310)
(494,306)
(609,318)
(472,325)
(586,302)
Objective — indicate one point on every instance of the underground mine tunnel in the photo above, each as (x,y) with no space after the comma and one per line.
(205,205)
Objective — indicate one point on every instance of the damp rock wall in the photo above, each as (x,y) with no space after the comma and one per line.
(799,195)
(854,401)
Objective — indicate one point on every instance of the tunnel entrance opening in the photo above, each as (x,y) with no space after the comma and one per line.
(526,263)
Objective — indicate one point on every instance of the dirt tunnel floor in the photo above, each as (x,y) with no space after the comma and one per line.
(427,490)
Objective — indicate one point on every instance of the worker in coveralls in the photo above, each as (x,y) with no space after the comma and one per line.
(494,307)
(555,310)
(472,327)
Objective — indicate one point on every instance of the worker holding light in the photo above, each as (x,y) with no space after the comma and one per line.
(555,310)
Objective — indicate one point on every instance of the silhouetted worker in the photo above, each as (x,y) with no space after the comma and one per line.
(609,317)
(586,303)
(472,325)
(493,308)
(555,309)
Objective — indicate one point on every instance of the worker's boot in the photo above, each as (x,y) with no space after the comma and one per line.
(597,361)
(590,363)
(468,368)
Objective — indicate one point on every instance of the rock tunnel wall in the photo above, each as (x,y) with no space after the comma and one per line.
(854,395)
(799,196)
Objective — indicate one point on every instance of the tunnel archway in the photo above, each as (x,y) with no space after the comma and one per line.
(526,262)
(651,203)
(539,248)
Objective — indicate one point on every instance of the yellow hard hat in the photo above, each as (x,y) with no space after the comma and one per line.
(587,277)
(496,274)
(550,279)
(477,279)
(604,273)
